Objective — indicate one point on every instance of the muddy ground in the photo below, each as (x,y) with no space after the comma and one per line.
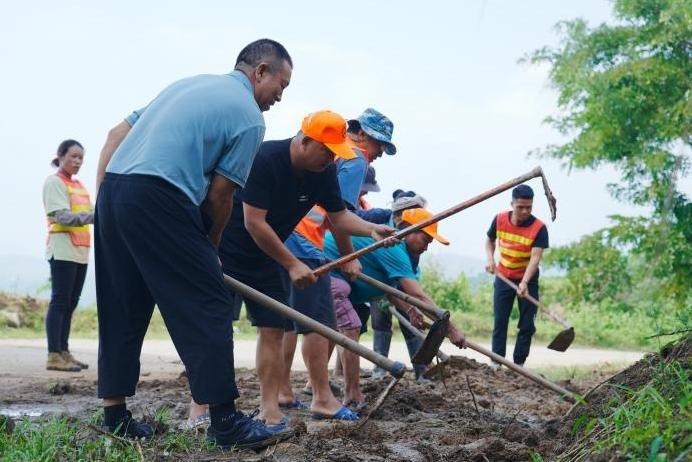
(510,419)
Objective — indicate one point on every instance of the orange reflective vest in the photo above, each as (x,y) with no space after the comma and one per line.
(515,243)
(314,226)
(79,202)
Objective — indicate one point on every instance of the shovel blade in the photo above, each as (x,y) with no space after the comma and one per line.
(563,340)
(431,344)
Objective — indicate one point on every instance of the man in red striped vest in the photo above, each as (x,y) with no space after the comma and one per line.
(521,239)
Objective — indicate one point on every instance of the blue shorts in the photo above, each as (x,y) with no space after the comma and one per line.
(314,301)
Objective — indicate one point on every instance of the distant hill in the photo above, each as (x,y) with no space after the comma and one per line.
(21,274)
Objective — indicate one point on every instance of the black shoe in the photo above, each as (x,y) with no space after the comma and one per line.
(247,433)
(131,428)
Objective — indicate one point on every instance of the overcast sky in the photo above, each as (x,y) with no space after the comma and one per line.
(465,112)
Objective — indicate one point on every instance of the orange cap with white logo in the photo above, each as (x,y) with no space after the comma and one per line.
(328,128)
(413,216)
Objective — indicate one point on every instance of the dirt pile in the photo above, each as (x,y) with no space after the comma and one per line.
(21,311)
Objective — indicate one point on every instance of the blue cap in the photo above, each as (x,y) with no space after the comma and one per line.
(376,125)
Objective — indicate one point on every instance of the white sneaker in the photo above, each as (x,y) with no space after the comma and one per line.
(495,366)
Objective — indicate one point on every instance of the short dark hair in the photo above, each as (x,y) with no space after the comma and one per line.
(522,192)
(62,150)
(263,50)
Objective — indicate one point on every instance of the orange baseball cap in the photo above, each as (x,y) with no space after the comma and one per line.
(328,128)
(413,216)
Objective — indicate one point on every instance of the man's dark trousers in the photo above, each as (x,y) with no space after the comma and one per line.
(152,248)
(503,301)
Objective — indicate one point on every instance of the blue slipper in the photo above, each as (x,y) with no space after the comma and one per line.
(343,413)
(296,404)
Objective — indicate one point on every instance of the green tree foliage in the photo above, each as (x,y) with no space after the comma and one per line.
(624,99)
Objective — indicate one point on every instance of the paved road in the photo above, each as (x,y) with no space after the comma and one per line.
(26,357)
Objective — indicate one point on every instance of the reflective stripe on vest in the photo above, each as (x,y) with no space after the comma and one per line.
(79,202)
(314,226)
(514,243)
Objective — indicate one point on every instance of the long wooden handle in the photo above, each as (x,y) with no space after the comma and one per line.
(405,322)
(395,368)
(530,298)
(536,172)
(568,395)
(434,312)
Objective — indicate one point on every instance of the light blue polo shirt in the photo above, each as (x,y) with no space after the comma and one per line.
(386,264)
(351,174)
(195,127)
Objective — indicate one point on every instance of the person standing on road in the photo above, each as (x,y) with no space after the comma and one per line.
(521,239)
(167,176)
(69,212)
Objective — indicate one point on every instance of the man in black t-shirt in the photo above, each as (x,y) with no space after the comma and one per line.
(521,239)
(287,179)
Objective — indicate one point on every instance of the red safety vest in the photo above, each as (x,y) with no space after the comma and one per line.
(79,202)
(515,244)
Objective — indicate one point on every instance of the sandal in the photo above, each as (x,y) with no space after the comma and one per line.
(343,413)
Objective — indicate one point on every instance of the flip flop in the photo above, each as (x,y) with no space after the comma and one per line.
(296,404)
(197,423)
(343,413)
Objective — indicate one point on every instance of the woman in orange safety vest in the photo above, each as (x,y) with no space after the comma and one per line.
(69,213)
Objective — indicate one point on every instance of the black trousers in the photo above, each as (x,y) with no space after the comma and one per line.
(503,302)
(67,280)
(152,248)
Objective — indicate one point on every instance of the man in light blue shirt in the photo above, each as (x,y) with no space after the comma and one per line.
(166,179)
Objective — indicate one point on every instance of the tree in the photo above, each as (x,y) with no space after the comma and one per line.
(624,100)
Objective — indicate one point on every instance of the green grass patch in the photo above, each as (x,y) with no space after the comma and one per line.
(652,423)
(68,439)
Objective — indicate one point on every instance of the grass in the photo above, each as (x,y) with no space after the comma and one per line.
(68,439)
(652,423)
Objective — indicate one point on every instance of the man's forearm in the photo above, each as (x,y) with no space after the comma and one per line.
(490,249)
(343,242)
(269,242)
(115,136)
(219,211)
(531,269)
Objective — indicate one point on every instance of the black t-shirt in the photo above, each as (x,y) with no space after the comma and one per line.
(541,238)
(274,185)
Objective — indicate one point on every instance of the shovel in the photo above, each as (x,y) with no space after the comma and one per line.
(434,313)
(564,339)
(397,369)
(536,172)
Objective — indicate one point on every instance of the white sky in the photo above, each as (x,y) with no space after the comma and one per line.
(446,73)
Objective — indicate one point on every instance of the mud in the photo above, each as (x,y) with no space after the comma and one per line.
(472,413)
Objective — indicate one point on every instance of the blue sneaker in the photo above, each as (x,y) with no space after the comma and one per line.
(248,433)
